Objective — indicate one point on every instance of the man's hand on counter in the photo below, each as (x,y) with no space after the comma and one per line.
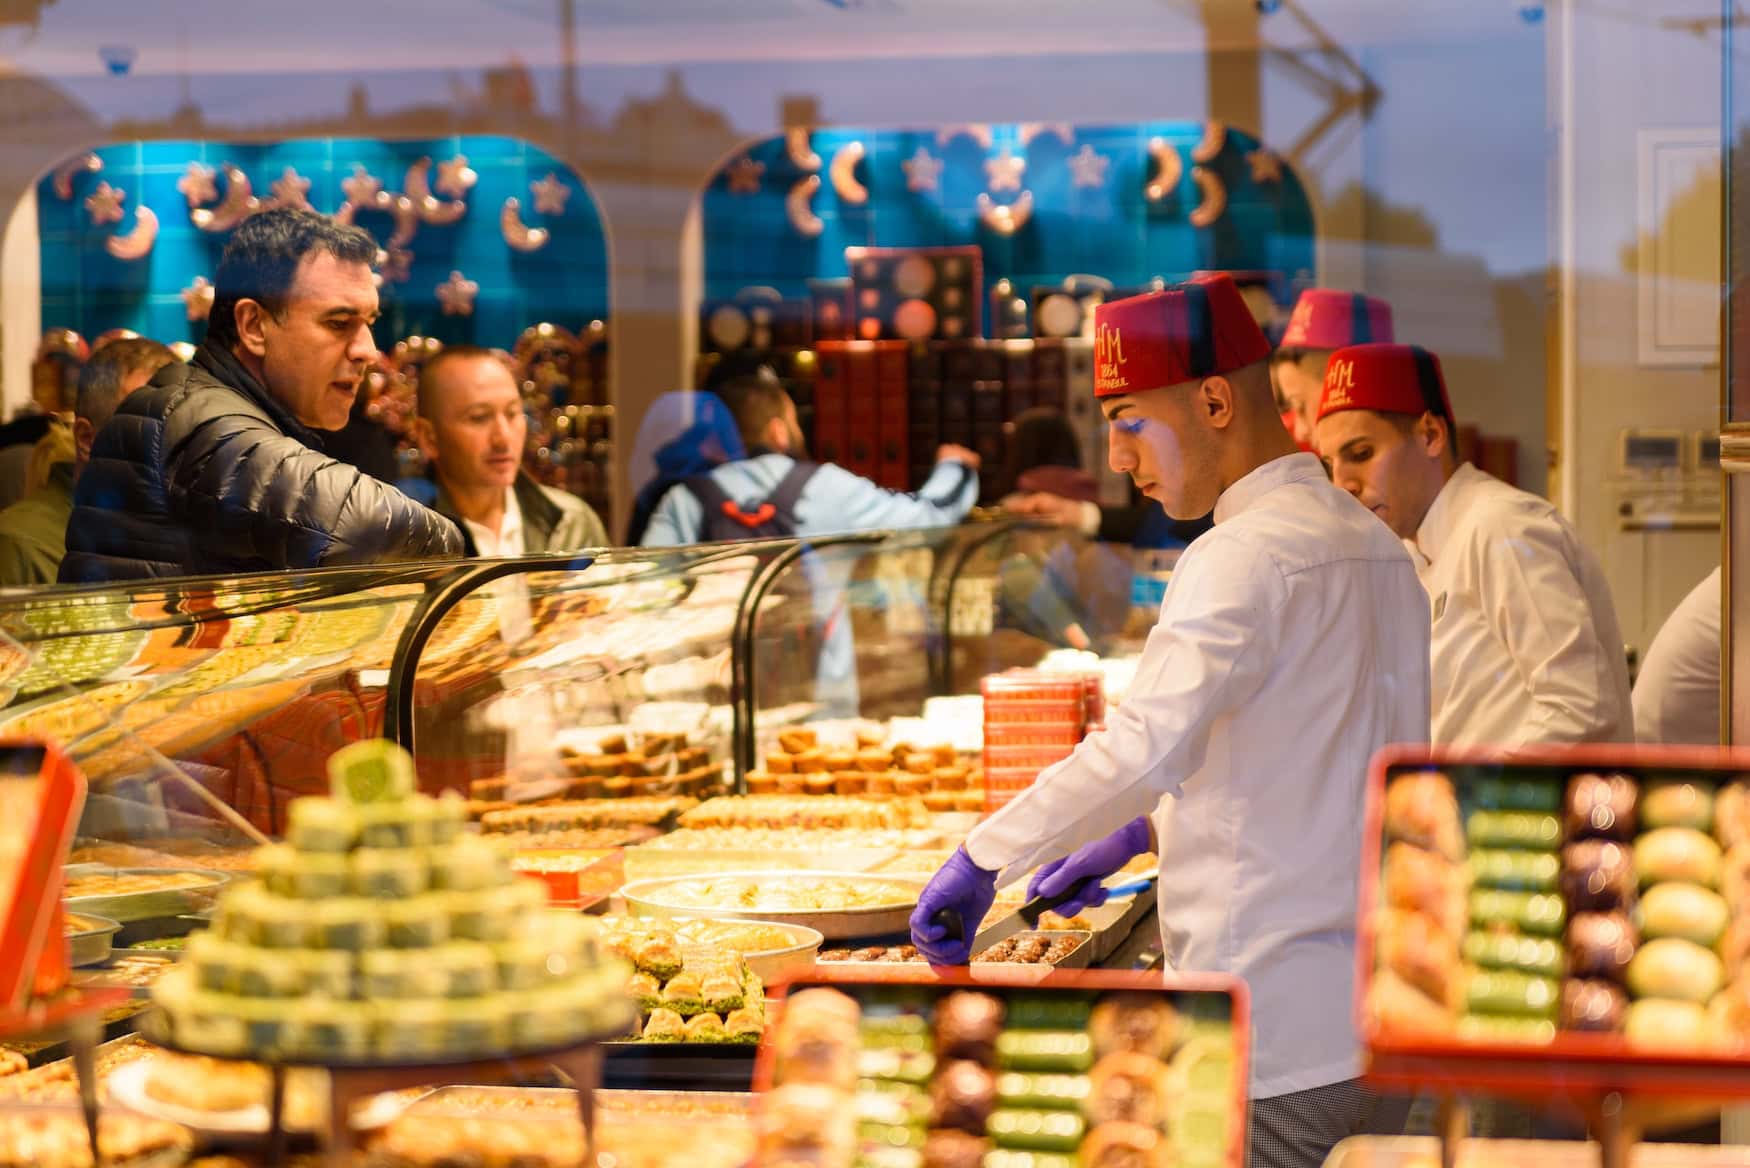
(1055,509)
(1085,868)
(963,888)
(949,452)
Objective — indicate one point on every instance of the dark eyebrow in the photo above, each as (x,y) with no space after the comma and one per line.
(1117,411)
(1348,447)
(341,310)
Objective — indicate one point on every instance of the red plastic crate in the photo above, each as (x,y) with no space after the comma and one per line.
(1066,733)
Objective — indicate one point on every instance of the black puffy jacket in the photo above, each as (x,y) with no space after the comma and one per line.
(202,471)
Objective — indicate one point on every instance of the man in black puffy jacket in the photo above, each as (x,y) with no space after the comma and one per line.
(214,466)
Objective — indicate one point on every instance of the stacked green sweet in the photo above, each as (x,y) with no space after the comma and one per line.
(1516,909)
(380,931)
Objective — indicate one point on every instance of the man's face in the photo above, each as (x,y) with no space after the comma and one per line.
(1301,383)
(1156,438)
(478,426)
(313,358)
(1391,470)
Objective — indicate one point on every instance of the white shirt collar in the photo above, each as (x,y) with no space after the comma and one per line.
(508,539)
(1290,468)
(1443,513)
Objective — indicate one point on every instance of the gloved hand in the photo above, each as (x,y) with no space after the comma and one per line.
(1088,865)
(967,889)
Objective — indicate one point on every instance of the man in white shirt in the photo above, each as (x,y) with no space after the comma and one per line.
(1526,647)
(472,427)
(1677,695)
(1291,647)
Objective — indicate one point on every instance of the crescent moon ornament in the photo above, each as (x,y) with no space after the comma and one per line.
(239,204)
(1005,218)
(977,131)
(71,169)
(517,234)
(136,244)
(406,214)
(1214,137)
(1064,131)
(1214,197)
(844,179)
(430,209)
(797,146)
(796,206)
(1171,170)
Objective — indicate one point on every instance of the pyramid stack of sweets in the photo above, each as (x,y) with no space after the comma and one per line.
(802,765)
(379,931)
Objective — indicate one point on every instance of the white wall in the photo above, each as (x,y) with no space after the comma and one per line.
(21,318)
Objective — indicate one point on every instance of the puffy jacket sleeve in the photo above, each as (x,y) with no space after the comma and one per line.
(261,493)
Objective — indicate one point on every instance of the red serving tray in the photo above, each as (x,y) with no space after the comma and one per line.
(944,979)
(1572,1065)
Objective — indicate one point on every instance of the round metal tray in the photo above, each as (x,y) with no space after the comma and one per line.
(645,897)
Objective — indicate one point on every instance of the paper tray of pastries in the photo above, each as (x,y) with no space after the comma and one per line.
(1024,956)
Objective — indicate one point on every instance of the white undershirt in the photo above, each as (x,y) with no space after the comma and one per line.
(508,539)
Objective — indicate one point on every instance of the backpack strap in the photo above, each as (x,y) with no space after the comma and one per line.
(788,492)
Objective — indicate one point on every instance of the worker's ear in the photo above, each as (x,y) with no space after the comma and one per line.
(84,434)
(1433,434)
(251,320)
(1214,402)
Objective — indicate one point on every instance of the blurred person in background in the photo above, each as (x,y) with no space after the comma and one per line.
(33,531)
(1324,320)
(683,434)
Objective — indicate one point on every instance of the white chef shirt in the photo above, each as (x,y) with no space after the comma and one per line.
(1291,646)
(508,539)
(1677,695)
(1526,647)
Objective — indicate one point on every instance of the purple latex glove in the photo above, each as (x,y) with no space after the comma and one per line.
(964,887)
(1084,868)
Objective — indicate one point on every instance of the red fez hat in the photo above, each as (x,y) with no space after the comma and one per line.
(1324,318)
(1187,331)
(1392,379)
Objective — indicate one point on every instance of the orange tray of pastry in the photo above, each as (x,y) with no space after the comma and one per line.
(1417,1052)
(1203,1009)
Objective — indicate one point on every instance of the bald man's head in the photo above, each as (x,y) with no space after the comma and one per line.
(471,422)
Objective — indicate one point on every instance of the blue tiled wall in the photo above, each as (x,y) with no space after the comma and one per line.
(1111,230)
(566,281)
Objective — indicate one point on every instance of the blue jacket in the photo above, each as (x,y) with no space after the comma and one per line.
(834,500)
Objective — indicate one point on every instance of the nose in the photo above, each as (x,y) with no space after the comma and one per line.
(1119,455)
(363,346)
(1346,477)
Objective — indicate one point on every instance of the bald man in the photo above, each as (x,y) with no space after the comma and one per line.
(472,427)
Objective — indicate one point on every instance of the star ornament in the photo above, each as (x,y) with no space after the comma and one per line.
(104,205)
(394,266)
(455,177)
(291,189)
(1088,168)
(197,185)
(456,295)
(744,176)
(197,299)
(923,171)
(362,189)
(1005,171)
(550,195)
(1266,167)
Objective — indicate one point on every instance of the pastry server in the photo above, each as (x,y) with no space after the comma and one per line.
(1292,645)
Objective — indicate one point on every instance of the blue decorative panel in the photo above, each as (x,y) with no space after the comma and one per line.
(1085,186)
(86,288)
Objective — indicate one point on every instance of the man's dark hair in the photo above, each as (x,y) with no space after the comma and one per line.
(262,259)
(100,382)
(428,373)
(755,399)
